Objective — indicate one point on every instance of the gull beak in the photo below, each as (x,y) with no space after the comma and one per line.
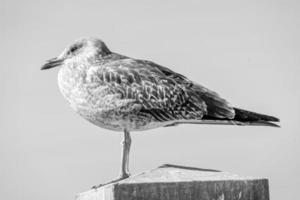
(54,62)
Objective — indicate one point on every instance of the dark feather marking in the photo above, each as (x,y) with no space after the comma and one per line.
(107,77)
(118,79)
(130,79)
(163,115)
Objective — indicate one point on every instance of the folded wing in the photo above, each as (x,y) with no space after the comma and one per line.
(160,92)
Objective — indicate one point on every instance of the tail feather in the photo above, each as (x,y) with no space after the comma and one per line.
(242,117)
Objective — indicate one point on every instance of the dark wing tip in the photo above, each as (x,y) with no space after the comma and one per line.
(245,115)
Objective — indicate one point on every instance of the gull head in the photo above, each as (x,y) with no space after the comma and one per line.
(82,49)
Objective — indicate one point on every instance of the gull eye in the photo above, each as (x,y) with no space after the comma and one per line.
(74,48)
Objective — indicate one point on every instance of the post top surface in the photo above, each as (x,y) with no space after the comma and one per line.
(175,173)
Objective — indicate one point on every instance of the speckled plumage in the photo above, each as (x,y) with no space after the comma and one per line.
(117,92)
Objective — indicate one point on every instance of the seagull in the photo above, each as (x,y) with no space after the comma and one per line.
(124,94)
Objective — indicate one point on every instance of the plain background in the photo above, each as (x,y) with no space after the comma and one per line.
(247,51)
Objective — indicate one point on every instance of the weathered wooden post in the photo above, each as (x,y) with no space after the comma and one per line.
(171,182)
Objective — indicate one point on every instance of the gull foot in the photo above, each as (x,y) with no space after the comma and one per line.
(110,182)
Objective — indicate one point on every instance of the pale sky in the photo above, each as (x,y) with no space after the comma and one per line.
(247,51)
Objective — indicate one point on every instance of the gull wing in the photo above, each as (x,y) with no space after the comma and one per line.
(152,90)
(161,92)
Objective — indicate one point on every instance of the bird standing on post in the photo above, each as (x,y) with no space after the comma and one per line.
(120,93)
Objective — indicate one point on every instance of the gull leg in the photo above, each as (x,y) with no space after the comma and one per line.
(126,143)
(125,155)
